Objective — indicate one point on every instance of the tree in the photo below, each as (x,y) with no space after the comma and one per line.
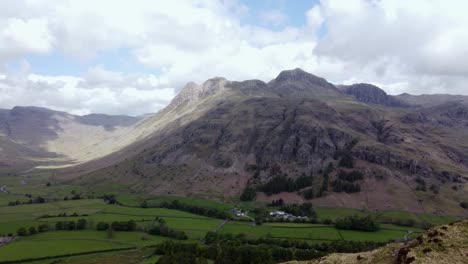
(43,227)
(346,160)
(131,225)
(366,223)
(39,199)
(101,226)
(305,209)
(248,194)
(109,198)
(32,230)
(71,225)
(308,194)
(464,205)
(59,225)
(279,202)
(81,224)
(22,231)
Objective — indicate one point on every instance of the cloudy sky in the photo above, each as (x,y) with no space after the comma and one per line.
(132,56)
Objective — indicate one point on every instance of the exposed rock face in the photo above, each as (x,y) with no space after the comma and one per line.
(368,93)
(220,136)
(297,83)
(193,93)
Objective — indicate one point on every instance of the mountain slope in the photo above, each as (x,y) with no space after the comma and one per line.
(34,136)
(221,136)
(368,93)
(444,244)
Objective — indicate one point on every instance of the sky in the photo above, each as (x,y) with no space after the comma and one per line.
(133,56)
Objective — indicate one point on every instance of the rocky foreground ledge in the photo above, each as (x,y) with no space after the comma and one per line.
(440,245)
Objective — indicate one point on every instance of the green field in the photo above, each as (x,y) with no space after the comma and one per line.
(61,243)
(91,246)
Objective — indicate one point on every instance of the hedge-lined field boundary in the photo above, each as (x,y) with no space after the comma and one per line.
(66,255)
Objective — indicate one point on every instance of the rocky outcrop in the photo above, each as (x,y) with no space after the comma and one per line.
(386,157)
(193,93)
(444,244)
(368,93)
(298,83)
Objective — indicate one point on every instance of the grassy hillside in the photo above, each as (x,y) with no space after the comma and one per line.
(443,244)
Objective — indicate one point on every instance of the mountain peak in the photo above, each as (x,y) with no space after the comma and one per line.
(298,82)
(193,92)
(296,74)
(212,85)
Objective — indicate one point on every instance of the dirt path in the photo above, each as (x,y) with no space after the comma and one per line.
(221,225)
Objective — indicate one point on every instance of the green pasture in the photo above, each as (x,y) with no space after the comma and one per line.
(59,243)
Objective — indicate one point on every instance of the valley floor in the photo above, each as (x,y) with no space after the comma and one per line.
(92,246)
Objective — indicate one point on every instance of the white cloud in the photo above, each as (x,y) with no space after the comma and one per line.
(421,43)
(413,46)
(134,95)
(18,36)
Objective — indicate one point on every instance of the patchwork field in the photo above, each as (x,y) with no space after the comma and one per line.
(92,246)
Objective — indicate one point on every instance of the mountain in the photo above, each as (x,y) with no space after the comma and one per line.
(216,138)
(428,100)
(368,93)
(37,136)
(443,244)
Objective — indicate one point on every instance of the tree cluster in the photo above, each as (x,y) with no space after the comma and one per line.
(80,224)
(345,182)
(284,184)
(340,246)
(64,214)
(464,205)
(345,186)
(366,223)
(210,212)
(346,160)
(421,184)
(230,252)
(124,225)
(71,225)
(278,202)
(350,176)
(228,248)
(36,200)
(305,209)
(101,226)
(109,198)
(161,229)
(248,194)
(345,156)
(22,231)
